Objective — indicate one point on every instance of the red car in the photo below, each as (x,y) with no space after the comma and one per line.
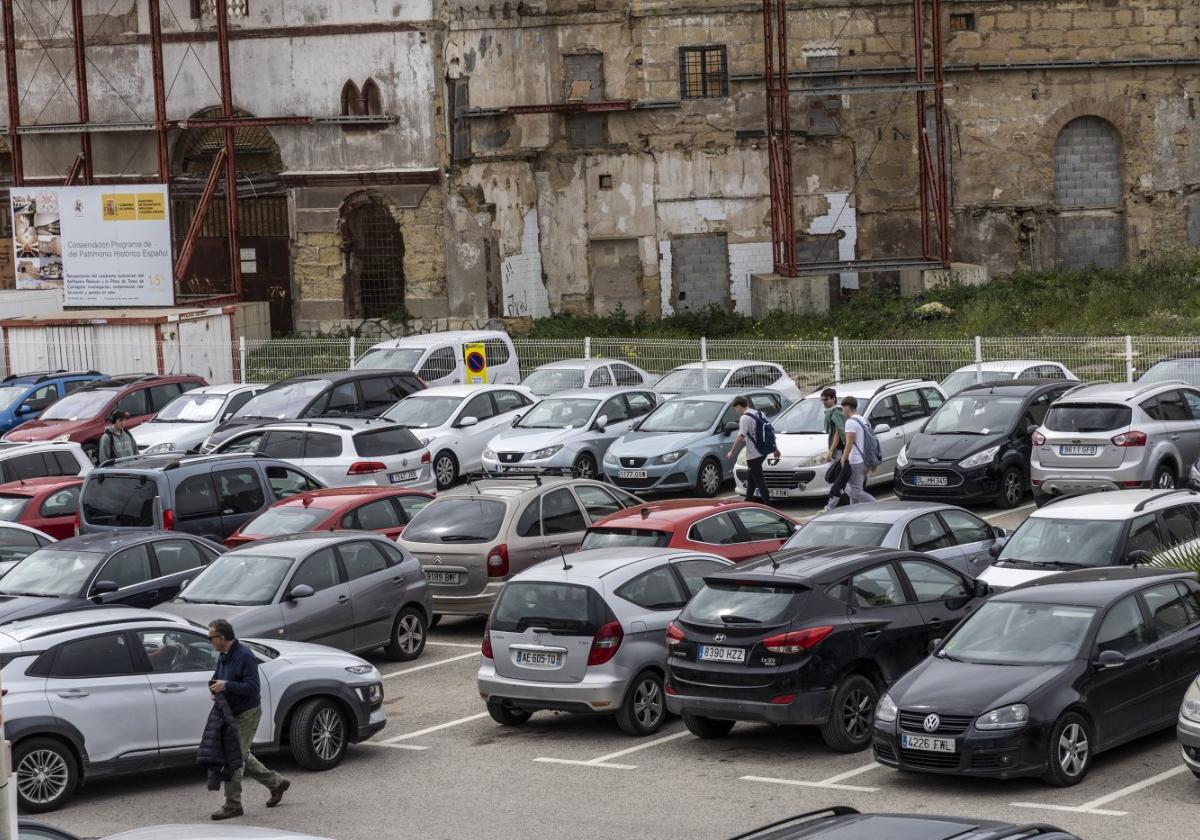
(47,504)
(734,530)
(385,510)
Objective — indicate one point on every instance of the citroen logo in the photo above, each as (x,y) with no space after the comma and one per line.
(437,558)
(932,722)
(720,637)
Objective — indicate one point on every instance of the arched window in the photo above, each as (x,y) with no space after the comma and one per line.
(1090,229)
(371,100)
(351,104)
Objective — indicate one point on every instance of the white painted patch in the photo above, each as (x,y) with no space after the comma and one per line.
(521,274)
(468,254)
(664,277)
(840,217)
(711,210)
(745,259)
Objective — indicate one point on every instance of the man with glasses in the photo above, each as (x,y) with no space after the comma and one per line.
(236,677)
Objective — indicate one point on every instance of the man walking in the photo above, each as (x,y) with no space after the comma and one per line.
(116,441)
(236,677)
(852,454)
(835,440)
(747,433)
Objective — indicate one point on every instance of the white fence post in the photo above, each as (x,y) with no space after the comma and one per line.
(837,361)
(587,347)
(704,362)
(978,359)
(242,356)
(1128,358)
(353,342)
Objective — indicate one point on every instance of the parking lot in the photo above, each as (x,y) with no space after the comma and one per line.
(443,768)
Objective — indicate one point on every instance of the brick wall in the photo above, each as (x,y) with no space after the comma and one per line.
(1087,164)
(700,272)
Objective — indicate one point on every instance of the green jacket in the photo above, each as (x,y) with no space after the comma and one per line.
(835,421)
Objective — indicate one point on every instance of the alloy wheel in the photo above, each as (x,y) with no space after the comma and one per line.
(328,734)
(710,479)
(42,776)
(584,468)
(1012,488)
(857,714)
(1073,749)
(444,470)
(648,703)
(409,633)
(1166,481)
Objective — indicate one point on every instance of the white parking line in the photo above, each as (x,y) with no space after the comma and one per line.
(832,783)
(474,646)
(998,514)
(605,760)
(438,728)
(429,665)
(1093,807)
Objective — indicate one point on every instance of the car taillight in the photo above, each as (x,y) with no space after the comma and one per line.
(1130,439)
(75,524)
(674,634)
(1038,438)
(605,643)
(426,457)
(797,641)
(168,520)
(487,640)
(497,561)
(366,468)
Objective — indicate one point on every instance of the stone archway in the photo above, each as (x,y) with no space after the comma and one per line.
(1090,228)
(373,245)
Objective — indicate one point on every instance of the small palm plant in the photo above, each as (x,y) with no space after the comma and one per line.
(1177,558)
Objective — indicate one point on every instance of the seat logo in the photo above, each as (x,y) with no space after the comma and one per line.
(437,558)
(932,722)
(720,637)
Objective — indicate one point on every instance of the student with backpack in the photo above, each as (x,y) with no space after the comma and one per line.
(861,453)
(759,436)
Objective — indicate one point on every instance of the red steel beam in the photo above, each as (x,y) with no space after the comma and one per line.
(81,86)
(75,171)
(160,95)
(923,164)
(14,95)
(189,241)
(939,104)
(779,137)
(236,121)
(231,202)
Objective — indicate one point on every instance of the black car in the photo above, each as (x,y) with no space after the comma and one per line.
(809,636)
(1043,677)
(359,393)
(841,823)
(976,447)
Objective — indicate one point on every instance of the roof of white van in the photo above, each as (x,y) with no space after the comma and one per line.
(1008,366)
(432,339)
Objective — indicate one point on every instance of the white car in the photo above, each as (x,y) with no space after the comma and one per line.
(738,374)
(455,422)
(999,371)
(344,452)
(37,459)
(440,358)
(895,408)
(573,374)
(186,421)
(17,542)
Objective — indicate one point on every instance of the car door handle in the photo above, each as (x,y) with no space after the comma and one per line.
(171,688)
(1174,437)
(871,634)
(72,693)
(1154,662)
(343,599)
(934,622)
(396,581)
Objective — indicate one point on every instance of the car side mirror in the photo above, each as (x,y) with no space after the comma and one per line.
(517,420)
(981,589)
(730,427)
(101,588)
(303,590)
(1137,557)
(880,428)
(464,422)
(994,549)
(934,644)
(998,533)
(1110,659)
(601,422)
(25,408)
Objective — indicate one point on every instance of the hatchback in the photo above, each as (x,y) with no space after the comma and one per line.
(384,510)
(574,374)
(25,396)
(186,421)
(843,823)
(48,504)
(586,635)
(25,461)
(17,542)
(746,375)
(810,637)
(439,358)
(987,372)
(1042,678)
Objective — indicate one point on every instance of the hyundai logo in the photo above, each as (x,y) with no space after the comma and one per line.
(932,722)
(720,637)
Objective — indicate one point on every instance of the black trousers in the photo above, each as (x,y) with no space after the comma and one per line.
(756,480)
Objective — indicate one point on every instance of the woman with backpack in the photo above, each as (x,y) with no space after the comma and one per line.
(757,433)
(859,452)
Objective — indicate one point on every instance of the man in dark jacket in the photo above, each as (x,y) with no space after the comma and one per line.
(220,749)
(236,677)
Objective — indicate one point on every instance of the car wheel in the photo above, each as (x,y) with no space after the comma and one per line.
(706,727)
(408,636)
(708,479)
(93,452)
(849,726)
(47,774)
(318,735)
(1164,478)
(644,708)
(445,469)
(585,466)
(1068,751)
(1012,488)
(506,715)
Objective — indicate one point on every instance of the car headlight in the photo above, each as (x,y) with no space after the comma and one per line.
(1006,717)
(1191,703)
(360,669)
(610,459)
(162,447)
(902,457)
(985,456)
(815,460)
(539,454)
(885,709)
(489,453)
(672,457)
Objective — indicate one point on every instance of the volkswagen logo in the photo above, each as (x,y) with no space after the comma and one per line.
(437,558)
(932,722)
(720,637)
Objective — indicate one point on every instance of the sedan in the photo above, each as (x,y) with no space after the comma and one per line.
(573,374)
(47,504)
(384,510)
(354,591)
(748,375)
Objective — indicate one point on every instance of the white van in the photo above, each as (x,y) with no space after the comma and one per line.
(438,358)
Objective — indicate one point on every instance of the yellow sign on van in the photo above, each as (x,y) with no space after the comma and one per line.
(476,363)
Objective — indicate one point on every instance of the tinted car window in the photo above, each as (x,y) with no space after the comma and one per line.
(286,483)
(361,559)
(767,605)
(135,403)
(319,570)
(910,406)
(639,404)
(530,523)
(597,501)
(626,375)
(656,589)
(240,490)
(563,607)
(764,525)
(1180,522)
(1169,612)
(933,398)
(99,656)
(1143,534)
(127,568)
(73,385)
(1123,629)
(479,406)
(243,443)
(615,410)
(883,412)
(160,395)
(386,442)
(1087,417)
(237,402)
(322,445)
(561,514)
(376,516)
(765,403)
(195,497)
(1193,402)
(878,587)
(966,528)
(1191,601)
(926,533)
(283,444)
(120,501)
(457,520)
(933,583)
(29,466)
(342,400)
(63,502)
(819,533)
(715,530)
(378,392)
(600,378)
(67,464)
(176,556)
(507,401)
(693,572)
(17,545)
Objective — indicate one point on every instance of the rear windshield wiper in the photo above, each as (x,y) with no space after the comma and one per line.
(463,538)
(739,619)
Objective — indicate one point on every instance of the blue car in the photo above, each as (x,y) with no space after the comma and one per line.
(684,443)
(24,396)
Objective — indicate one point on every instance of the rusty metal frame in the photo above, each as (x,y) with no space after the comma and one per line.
(14,95)
(81,90)
(188,247)
(231,203)
(779,137)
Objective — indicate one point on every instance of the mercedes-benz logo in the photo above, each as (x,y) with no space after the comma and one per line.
(537,639)
(932,722)
(437,558)
(720,637)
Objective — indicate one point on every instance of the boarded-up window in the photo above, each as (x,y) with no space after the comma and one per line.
(584,82)
(460,127)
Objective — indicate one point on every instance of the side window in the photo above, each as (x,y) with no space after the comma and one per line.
(1169,611)
(597,501)
(626,375)
(1150,406)
(160,395)
(764,525)
(529,525)
(63,502)
(715,530)
(1180,523)
(320,571)
(73,385)
(410,506)
(240,490)
(41,398)
(479,406)
(243,443)
(910,406)
(439,364)
(1123,629)
(17,545)
(639,404)
(965,527)
(1191,601)
(67,464)
(560,514)
(1172,408)
(883,411)
(177,651)
(287,482)
(26,466)
(933,399)
(378,392)
(1039,407)
(361,559)
(933,583)
(878,587)
(657,589)
(626,499)
(135,403)
(730,416)
(766,403)
(743,377)
(1143,534)
(285,445)
(927,533)
(495,351)
(175,556)
(98,656)
(507,401)
(693,572)
(615,409)
(376,516)
(127,568)
(1193,402)
(235,404)
(195,497)
(600,378)
(322,445)
(343,400)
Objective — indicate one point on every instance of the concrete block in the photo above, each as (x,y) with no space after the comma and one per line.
(914,282)
(800,295)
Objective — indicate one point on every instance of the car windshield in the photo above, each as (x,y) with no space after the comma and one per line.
(11,507)
(284,402)
(238,579)
(682,380)
(10,395)
(191,408)
(289,519)
(1062,543)
(742,603)
(565,413)
(449,520)
(420,412)
(683,415)
(1088,417)
(960,379)
(1011,633)
(51,572)
(1186,369)
(119,501)
(82,405)
(806,417)
(974,414)
(819,534)
(549,380)
(390,358)
(618,537)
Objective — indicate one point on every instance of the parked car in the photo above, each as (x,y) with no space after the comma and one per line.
(17,542)
(31,830)
(208,495)
(1182,367)
(186,421)
(986,372)
(810,637)
(587,635)
(47,504)
(25,461)
(149,708)
(82,416)
(440,358)
(354,591)
(896,409)
(1188,728)
(570,430)
(472,539)
(683,444)
(384,510)
(957,537)
(455,422)
(1117,528)
(576,374)
(1117,436)
(1042,678)
(976,447)
(25,396)
(733,530)
(364,393)
(841,823)
(139,569)
(701,377)
(340,453)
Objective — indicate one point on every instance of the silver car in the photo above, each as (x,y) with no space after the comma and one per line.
(573,374)
(587,634)
(570,430)
(28,830)
(351,590)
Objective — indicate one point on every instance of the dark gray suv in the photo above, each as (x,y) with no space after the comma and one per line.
(208,495)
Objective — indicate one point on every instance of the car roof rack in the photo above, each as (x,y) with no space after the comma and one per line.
(892,383)
(1140,506)
(1025,830)
(833,811)
(1150,386)
(1087,384)
(1056,499)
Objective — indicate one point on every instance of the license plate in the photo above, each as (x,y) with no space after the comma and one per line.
(777,491)
(921,742)
(441,577)
(633,474)
(538,659)
(1077,450)
(712,653)
(408,475)
(930,480)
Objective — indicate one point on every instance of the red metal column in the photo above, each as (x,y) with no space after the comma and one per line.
(939,99)
(160,95)
(923,168)
(81,87)
(14,94)
(231,208)
(189,242)
(779,136)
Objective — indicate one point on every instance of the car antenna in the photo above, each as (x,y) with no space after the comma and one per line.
(774,562)
(645,513)
(566,566)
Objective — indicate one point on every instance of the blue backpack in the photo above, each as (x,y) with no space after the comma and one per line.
(764,434)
